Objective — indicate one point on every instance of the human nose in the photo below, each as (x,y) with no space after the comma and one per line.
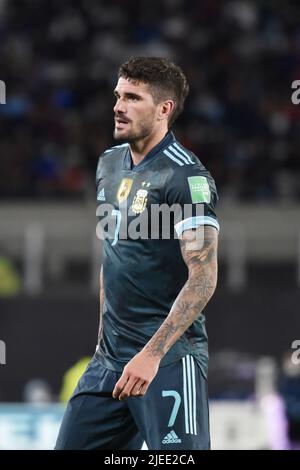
(120,107)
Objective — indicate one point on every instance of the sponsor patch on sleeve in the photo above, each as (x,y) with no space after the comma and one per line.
(199,189)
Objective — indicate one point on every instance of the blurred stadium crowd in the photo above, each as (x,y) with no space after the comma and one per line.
(59,62)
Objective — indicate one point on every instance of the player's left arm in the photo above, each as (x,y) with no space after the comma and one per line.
(199,251)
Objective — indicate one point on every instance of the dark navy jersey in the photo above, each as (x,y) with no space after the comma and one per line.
(143,268)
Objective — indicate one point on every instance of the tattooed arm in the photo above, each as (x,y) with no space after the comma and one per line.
(199,251)
(200,256)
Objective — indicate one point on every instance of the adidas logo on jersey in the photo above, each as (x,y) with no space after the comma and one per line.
(101,195)
(171,438)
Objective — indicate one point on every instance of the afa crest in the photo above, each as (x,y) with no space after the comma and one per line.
(140,201)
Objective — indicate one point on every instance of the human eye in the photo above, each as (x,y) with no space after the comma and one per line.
(133,98)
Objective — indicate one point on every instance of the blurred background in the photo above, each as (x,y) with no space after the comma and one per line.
(59,61)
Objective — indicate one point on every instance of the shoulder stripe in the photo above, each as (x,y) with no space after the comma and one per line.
(178,154)
(179,162)
(184,153)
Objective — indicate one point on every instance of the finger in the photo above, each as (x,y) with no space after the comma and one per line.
(136,390)
(126,392)
(120,385)
(143,389)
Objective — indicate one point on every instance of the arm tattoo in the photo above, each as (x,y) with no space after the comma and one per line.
(200,256)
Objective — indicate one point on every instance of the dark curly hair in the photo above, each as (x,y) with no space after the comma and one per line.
(165,79)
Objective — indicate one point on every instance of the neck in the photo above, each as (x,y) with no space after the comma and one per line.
(140,148)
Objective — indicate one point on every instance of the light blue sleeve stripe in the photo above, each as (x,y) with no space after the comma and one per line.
(186,154)
(194,222)
(179,155)
(173,158)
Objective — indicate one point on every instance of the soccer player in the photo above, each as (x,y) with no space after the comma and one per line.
(148,378)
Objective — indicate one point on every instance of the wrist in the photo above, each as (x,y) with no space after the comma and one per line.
(153,354)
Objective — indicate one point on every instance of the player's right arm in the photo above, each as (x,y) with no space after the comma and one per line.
(101,287)
(101,303)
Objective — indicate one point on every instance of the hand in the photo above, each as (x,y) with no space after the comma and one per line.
(137,376)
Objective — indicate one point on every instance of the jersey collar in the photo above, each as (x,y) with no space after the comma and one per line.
(164,143)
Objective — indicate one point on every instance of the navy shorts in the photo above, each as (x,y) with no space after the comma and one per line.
(173,414)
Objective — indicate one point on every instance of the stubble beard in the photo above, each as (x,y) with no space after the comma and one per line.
(143,131)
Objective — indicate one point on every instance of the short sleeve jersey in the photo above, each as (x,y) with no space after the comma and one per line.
(142,211)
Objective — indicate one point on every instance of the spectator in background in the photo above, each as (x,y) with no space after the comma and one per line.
(37,392)
(240,57)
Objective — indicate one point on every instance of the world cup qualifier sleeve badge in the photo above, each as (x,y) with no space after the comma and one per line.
(139,201)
